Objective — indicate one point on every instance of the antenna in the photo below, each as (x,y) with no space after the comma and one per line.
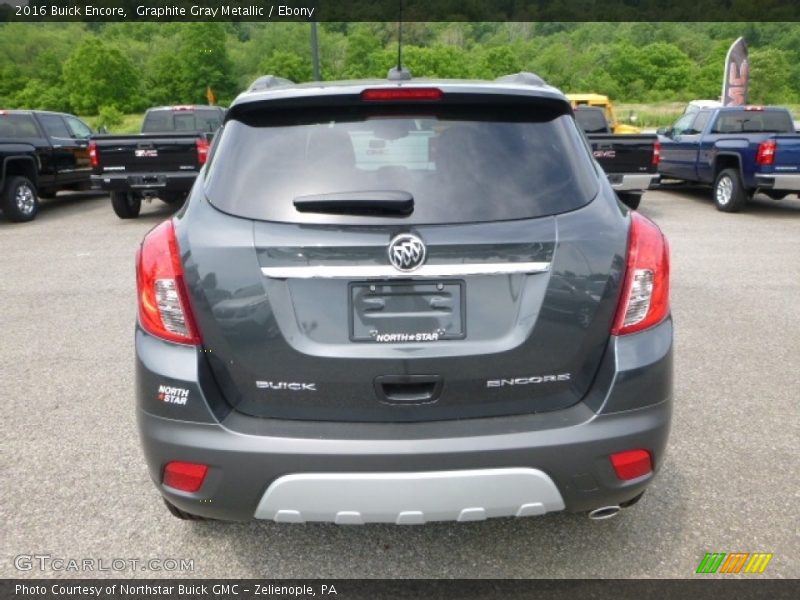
(400,39)
(398,73)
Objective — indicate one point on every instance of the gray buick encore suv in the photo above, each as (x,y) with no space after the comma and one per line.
(402,302)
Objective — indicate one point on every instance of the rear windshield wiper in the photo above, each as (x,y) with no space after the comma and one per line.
(372,202)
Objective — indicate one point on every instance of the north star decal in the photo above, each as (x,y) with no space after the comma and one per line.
(173,395)
(492,383)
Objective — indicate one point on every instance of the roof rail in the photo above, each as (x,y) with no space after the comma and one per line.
(522,78)
(266,82)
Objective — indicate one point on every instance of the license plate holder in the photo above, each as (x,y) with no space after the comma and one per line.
(407,312)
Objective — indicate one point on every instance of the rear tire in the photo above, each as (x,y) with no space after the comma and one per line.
(632,501)
(729,193)
(631,200)
(19,200)
(173,198)
(183,516)
(126,205)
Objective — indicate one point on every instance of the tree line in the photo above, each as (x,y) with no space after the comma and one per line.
(88,68)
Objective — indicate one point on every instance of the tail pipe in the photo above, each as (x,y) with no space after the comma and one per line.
(604,512)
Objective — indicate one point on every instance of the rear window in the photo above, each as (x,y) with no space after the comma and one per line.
(591,120)
(177,120)
(460,164)
(18,127)
(753,121)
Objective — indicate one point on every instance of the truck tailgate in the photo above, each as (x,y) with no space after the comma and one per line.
(787,154)
(147,153)
(619,154)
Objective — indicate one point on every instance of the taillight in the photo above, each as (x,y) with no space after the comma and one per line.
(644,301)
(766,153)
(401,93)
(656,154)
(164,308)
(202,151)
(185,476)
(94,158)
(631,464)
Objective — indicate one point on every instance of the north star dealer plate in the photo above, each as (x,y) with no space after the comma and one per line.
(409,312)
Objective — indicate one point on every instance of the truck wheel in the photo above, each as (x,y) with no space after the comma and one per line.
(729,193)
(19,200)
(630,200)
(126,205)
(183,516)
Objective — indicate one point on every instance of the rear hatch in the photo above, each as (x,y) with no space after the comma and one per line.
(403,261)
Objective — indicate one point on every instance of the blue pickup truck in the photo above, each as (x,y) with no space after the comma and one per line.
(738,150)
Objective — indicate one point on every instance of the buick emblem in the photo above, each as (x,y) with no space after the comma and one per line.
(406,252)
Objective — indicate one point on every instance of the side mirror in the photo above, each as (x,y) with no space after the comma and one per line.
(103,129)
(665,131)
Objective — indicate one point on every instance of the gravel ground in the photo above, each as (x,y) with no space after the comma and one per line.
(75,484)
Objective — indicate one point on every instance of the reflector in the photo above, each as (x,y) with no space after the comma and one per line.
(631,463)
(185,476)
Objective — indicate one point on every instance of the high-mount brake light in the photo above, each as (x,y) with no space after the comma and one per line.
(183,108)
(202,150)
(656,154)
(754,108)
(164,309)
(766,153)
(94,158)
(644,301)
(401,93)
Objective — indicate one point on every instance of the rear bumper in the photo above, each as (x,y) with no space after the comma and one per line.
(405,472)
(145,182)
(779,181)
(628,182)
(337,477)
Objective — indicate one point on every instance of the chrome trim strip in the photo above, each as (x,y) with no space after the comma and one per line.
(389,272)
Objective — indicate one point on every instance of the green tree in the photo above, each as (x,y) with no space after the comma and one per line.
(98,74)
(288,65)
(202,60)
(38,95)
(769,76)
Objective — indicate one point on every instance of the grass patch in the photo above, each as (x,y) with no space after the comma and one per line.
(131,123)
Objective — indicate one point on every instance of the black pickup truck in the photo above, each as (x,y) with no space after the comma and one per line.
(160,162)
(630,161)
(40,153)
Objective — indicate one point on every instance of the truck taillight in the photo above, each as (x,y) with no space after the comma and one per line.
(644,300)
(94,157)
(656,154)
(202,151)
(766,153)
(164,309)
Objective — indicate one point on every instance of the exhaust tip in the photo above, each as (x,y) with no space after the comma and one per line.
(604,512)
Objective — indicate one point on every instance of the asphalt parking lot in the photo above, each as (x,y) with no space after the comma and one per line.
(74,482)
